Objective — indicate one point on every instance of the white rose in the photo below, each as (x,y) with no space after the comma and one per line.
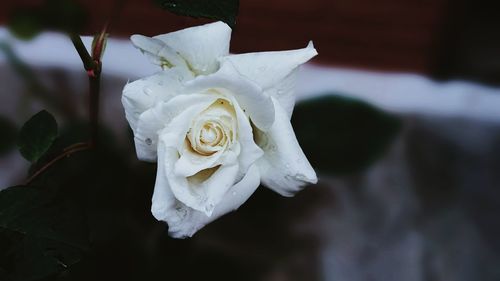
(217,124)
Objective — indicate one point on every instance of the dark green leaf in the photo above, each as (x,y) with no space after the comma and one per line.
(341,135)
(59,15)
(37,135)
(8,135)
(25,24)
(224,10)
(45,234)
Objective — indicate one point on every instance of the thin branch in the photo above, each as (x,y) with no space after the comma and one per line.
(94,92)
(93,65)
(93,68)
(88,62)
(66,153)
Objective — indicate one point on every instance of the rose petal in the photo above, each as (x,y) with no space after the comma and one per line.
(250,151)
(152,121)
(208,191)
(200,46)
(284,92)
(191,162)
(201,195)
(284,167)
(248,94)
(183,221)
(273,71)
(164,205)
(140,95)
(158,52)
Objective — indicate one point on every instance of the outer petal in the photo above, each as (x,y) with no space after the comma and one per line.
(153,120)
(209,191)
(200,46)
(284,167)
(164,205)
(141,95)
(273,71)
(183,221)
(248,94)
(158,52)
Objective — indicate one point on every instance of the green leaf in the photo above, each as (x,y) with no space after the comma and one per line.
(41,235)
(224,10)
(8,133)
(37,135)
(25,24)
(341,135)
(59,15)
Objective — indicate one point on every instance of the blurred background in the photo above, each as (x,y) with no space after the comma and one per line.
(399,113)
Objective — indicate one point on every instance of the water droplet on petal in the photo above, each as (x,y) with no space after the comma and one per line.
(209,208)
(181,211)
(148,91)
(271,148)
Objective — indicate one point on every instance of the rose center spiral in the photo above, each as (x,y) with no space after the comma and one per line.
(212,130)
(211,134)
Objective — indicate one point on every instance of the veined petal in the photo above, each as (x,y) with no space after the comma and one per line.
(273,71)
(284,167)
(248,94)
(140,95)
(152,121)
(200,46)
(158,52)
(184,222)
